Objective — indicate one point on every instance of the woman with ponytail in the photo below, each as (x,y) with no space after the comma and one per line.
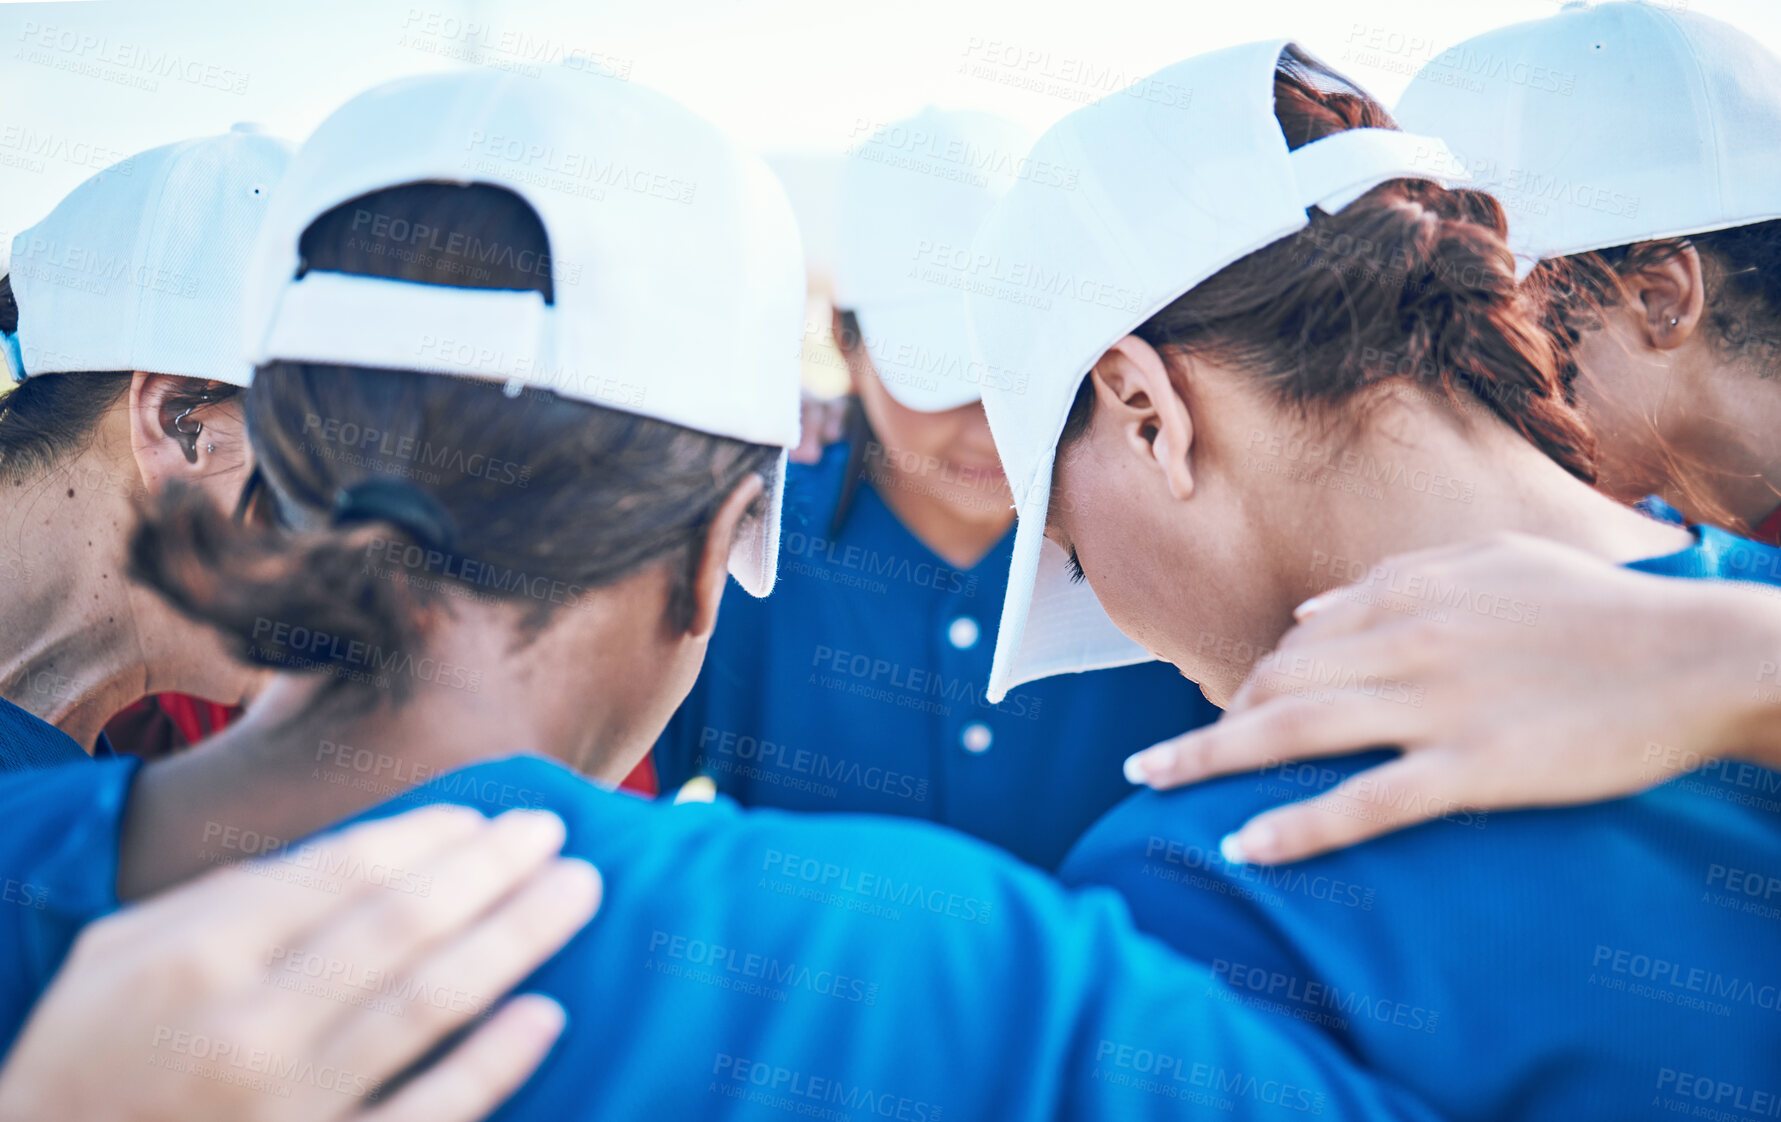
(1338,365)
(1658,264)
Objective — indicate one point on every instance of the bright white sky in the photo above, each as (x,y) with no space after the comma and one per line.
(793,78)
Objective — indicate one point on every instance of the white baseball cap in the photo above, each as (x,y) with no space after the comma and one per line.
(1607,125)
(909,202)
(1167,197)
(141,266)
(674,257)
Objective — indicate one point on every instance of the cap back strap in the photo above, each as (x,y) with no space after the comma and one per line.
(1334,171)
(349,320)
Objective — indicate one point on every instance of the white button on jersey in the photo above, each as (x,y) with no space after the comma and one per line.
(963,633)
(976,737)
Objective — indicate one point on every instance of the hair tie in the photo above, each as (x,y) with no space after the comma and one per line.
(402,505)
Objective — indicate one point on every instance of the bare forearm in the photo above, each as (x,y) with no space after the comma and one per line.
(1747,689)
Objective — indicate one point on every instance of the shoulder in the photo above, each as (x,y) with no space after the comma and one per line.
(1730,557)
(64,807)
(1188,823)
(1715,555)
(519,782)
(942,872)
(58,860)
(1151,831)
(602,823)
(1160,850)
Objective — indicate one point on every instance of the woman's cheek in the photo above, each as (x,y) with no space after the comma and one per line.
(1111,546)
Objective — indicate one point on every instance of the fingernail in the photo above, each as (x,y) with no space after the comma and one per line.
(1134,769)
(1140,766)
(541,1018)
(1314,604)
(1250,845)
(576,889)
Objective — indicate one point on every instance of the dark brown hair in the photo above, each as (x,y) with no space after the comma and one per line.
(1411,284)
(531,499)
(856,427)
(48,418)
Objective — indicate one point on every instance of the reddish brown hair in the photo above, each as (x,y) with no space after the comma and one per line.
(1410,284)
(1741,268)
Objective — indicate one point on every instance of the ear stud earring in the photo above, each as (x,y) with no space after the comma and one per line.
(188,437)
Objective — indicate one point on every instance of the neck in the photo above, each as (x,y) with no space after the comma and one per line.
(278,775)
(1724,447)
(80,659)
(291,766)
(1428,480)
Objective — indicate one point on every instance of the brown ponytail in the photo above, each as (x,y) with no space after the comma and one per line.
(1411,284)
(259,590)
(532,500)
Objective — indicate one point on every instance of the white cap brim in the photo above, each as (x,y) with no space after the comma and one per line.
(754,555)
(922,353)
(1526,261)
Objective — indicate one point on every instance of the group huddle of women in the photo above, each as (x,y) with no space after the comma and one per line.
(1433,446)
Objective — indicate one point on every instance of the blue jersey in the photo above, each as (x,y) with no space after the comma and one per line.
(28,741)
(767,965)
(58,869)
(858,686)
(1615,961)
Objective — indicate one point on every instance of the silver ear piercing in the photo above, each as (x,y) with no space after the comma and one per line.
(179,423)
(1674,320)
(210,447)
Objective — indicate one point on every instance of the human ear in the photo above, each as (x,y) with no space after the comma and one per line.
(1134,392)
(178,435)
(714,558)
(1669,297)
